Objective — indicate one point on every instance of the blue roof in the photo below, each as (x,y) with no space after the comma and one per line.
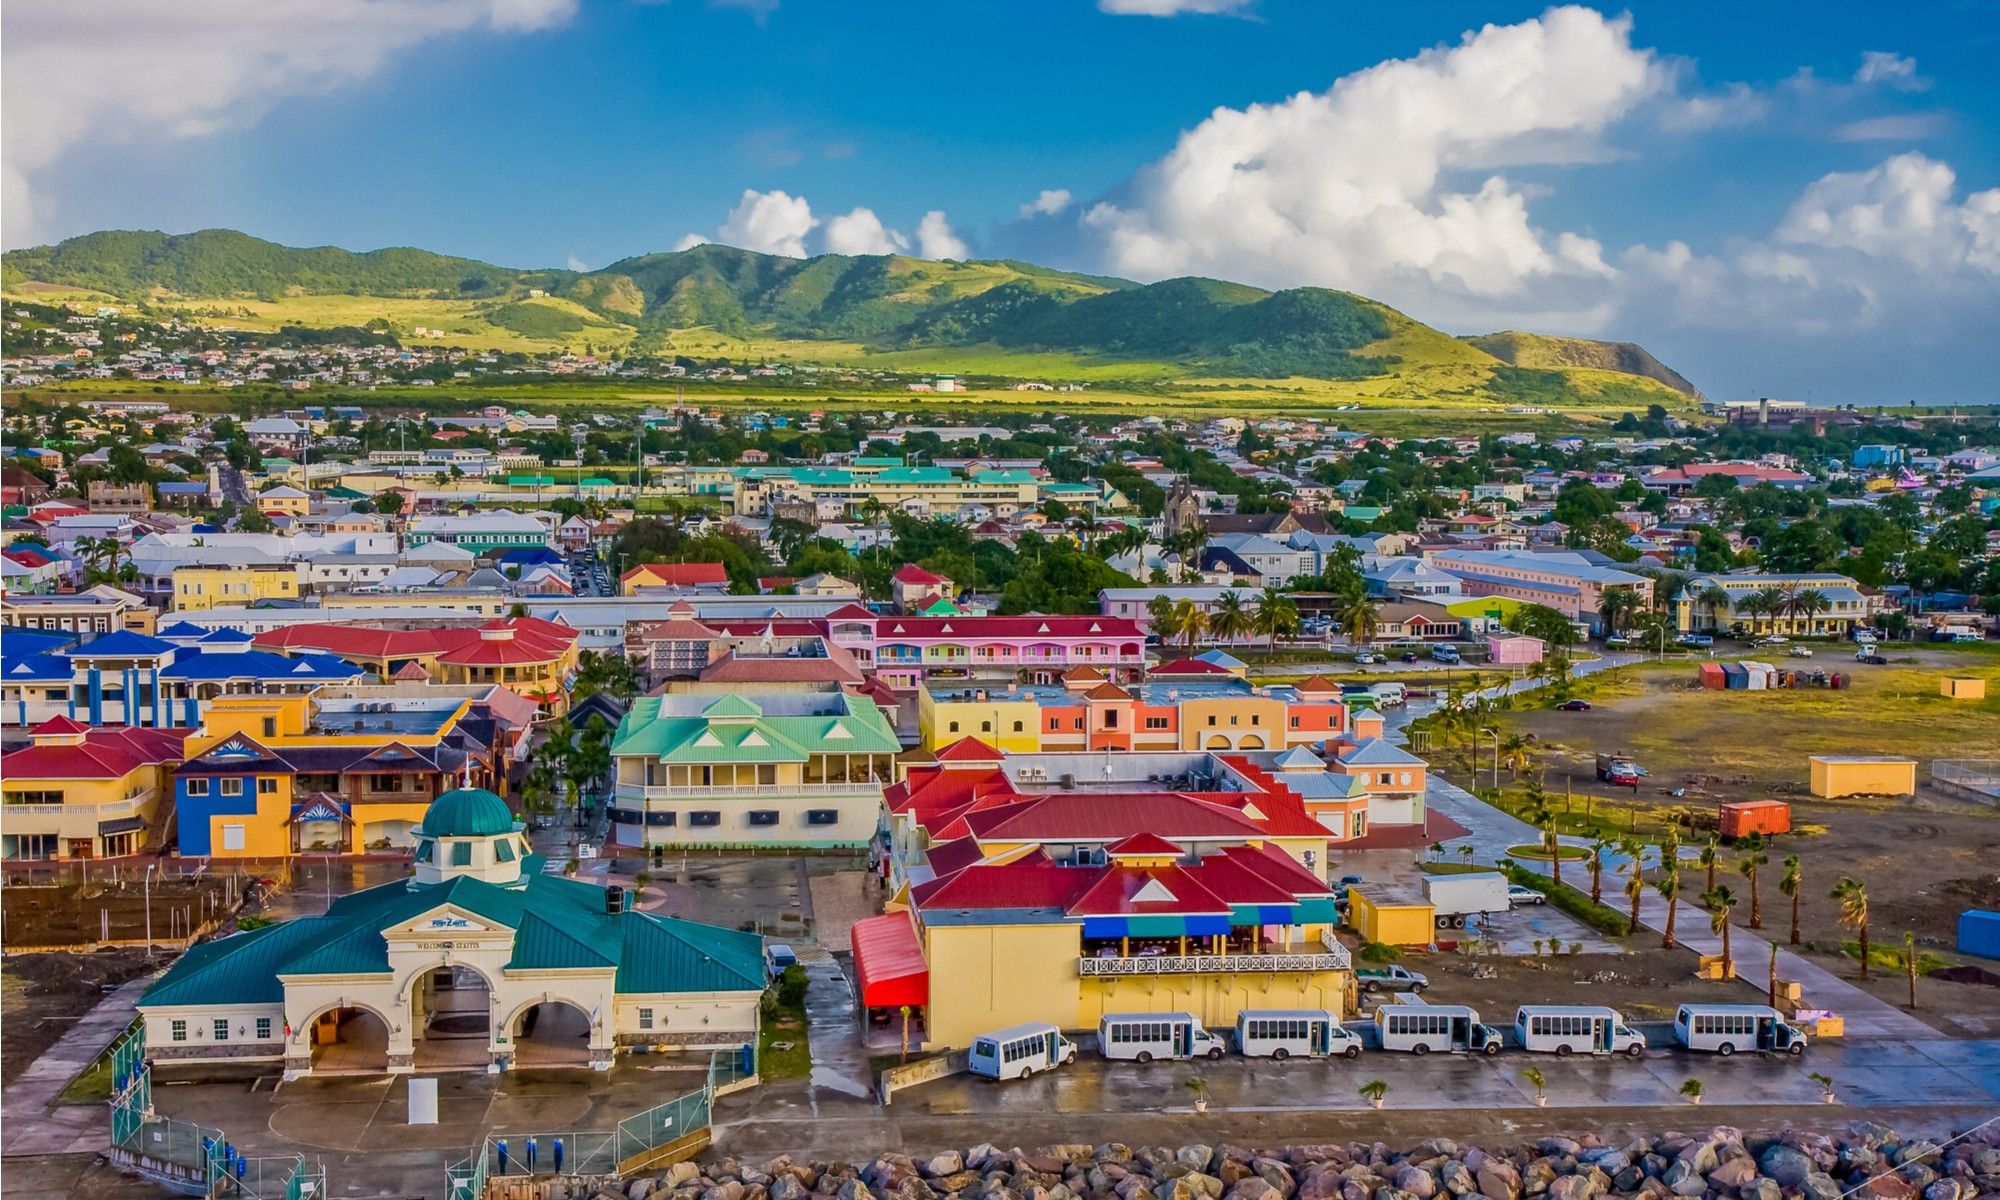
(183,629)
(1218,658)
(36,668)
(182,489)
(33,641)
(125,644)
(260,664)
(223,636)
(531,555)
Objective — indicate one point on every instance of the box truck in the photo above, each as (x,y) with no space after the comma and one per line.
(1458,897)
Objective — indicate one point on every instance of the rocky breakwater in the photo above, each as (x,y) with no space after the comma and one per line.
(1870,1162)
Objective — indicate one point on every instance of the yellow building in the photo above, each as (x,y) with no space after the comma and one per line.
(271,776)
(1857,775)
(998,944)
(285,501)
(1391,917)
(1087,713)
(197,589)
(1961,687)
(1009,721)
(79,792)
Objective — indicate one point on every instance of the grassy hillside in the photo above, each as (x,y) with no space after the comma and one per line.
(1541,351)
(993,320)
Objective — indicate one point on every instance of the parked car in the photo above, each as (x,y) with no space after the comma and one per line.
(1800,652)
(1366,659)
(1574,706)
(779,956)
(1701,640)
(1776,639)
(1518,895)
(1871,658)
(1409,656)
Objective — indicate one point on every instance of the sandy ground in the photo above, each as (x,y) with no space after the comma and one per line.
(1926,858)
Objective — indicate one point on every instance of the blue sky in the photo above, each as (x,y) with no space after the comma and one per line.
(1775,198)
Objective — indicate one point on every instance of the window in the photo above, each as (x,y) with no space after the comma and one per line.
(954,726)
(1079,722)
(1295,722)
(705,817)
(263,1029)
(1111,718)
(645,1018)
(385,783)
(986,727)
(503,851)
(426,850)
(179,1031)
(1156,722)
(266,786)
(822,816)
(764,816)
(221,1025)
(232,787)
(197,787)
(1017,727)
(232,837)
(461,854)
(1211,719)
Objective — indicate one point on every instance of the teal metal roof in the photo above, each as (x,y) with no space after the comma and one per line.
(468,812)
(560,924)
(735,730)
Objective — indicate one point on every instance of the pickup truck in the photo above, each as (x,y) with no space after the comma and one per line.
(1390,979)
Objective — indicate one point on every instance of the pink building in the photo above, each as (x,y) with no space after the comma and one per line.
(1515,649)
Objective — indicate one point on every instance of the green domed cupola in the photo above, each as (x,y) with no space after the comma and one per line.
(469,831)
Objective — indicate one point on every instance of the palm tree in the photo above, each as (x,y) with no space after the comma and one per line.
(1277,616)
(1635,880)
(1810,603)
(1359,617)
(1721,903)
(1669,886)
(1853,897)
(1776,603)
(1752,863)
(1708,859)
(1910,963)
(1514,752)
(1753,606)
(1792,885)
(1716,600)
(1617,607)
(1230,620)
(1192,621)
(1597,849)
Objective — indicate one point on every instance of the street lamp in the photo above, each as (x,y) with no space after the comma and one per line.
(1496,756)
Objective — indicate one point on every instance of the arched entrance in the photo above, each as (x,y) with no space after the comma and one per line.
(453,1017)
(1250,741)
(349,1041)
(554,1033)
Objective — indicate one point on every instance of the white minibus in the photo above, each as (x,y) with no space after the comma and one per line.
(1143,1037)
(1422,1028)
(1564,1030)
(1020,1051)
(1727,1028)
(1281,1033)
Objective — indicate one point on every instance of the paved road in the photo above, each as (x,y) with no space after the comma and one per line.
(36,1124)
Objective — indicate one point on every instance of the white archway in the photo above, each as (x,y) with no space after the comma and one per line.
(451,1016)
(348,1039)
(552,1032)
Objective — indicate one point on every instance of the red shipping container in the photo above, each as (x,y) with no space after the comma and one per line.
(1756,816)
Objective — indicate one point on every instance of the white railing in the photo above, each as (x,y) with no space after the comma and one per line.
(634,791)
(1332,959)
(108,809)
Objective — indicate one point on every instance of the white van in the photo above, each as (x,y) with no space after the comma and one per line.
(1422,1028)
(1389,695)
(1281,1033)
(1143,1037)
(1020,1051)
(1727,1028)
(1563,1030)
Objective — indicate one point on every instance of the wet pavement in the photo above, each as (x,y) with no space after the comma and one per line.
(839,1060)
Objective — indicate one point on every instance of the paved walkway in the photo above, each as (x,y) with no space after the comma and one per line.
(36,1123)
(839,1060)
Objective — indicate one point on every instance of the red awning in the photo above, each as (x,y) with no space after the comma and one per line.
(888,962)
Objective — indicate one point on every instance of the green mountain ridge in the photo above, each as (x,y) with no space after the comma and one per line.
(883,303)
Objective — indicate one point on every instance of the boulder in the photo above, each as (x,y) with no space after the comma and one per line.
(728,1190)
(1574,1187)
(1416,1181)
(1733,1174)
(1889,1187)
(1253,1187)
(1112,1152)
(1537,1176)
(1498,1180)
(951,1162)
(1683,1180)
(1457,1180)
(1559,1147)
(1943,1189)
(1789,1165)
(1818,1185)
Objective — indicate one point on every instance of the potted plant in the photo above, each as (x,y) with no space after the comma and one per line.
(1692,1090)
(1534,1075)
(1199,1086)
(1825,1083)
(1373,1092)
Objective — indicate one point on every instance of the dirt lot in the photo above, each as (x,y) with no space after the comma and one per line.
(1644,985)
(41,995)
(1926,858)
(74,914)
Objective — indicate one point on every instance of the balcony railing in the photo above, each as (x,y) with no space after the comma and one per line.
(1328,957)
(634,791)
(105,811)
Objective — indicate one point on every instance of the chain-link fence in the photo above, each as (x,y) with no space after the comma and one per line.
(1980,775)
(599,1152)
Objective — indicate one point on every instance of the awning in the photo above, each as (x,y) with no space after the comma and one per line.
(120,825)
(320,808)
(889,965)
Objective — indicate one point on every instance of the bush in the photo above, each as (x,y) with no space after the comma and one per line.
(1379,952)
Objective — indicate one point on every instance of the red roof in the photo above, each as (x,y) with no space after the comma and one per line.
(533,640)
(678,574)
(1109,816)
(1107,691)
(1034,882)
(1143,844)
(1129,891)
(1318,683)
(108,753)
(1186,666)
(837,666)
(60,725)
(850,612)
(911,573)
(889,962)
(969,749)
(29,557)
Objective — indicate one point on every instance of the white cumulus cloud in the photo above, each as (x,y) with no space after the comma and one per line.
(1894,70)
(1048,204)
(935,238)
(862,232)
(1358,186)
(113,71)
(1168,8)
(690,240)
(773,222)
